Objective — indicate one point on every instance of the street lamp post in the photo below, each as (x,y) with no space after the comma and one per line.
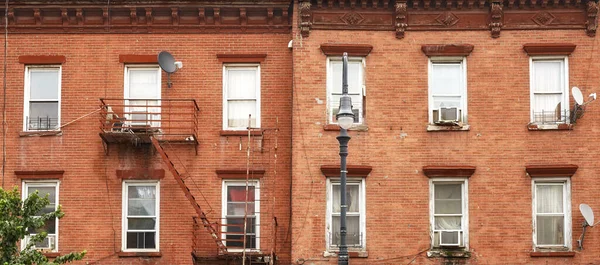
(345,119)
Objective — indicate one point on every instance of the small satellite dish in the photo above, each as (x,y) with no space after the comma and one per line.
(167,63)
(577,95)
(587,213)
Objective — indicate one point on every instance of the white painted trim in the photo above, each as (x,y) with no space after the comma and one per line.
(42,183)
(565,81)
(250,66)
(566,181)
(242,183)
(362,211)
(465,207)
(329,85)
(124,196)
(27,91)
(464,91)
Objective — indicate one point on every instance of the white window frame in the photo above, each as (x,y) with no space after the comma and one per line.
(126,94)
(24,194)
(465,209)
(362,212)
(124,224)
(566,183)
(331,105)
(565,85)
(252,66)
(27,97)
(241,183)
(463,96)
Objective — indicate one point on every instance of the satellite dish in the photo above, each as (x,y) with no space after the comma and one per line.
(587,213)
(167,62)
(577,95)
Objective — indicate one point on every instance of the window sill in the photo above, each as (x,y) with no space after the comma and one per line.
(445,128)
(545,127)
(351,253)
(40,133)
(448,253)
(538,254)
(123,254)
(335,127)
(240,132)
(51,255)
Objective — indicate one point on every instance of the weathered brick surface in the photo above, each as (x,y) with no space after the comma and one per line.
(498,144)
(90,191)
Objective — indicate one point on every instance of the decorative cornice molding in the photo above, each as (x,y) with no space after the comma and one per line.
(549,48)
(137,58)
(448,171)
(447,49)
(566,170)
(148,17)
(253,173)
(39,174)
(353,170)
(334,49)
(42,59)
(424,15)
(496,18)
(241,57)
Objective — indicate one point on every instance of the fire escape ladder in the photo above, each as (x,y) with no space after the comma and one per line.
(211,229)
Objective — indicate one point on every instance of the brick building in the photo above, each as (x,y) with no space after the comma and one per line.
(463,151)
(85,96)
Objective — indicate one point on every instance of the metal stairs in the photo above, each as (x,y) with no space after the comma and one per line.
(209,227)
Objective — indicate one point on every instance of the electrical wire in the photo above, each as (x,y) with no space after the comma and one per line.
(4,90)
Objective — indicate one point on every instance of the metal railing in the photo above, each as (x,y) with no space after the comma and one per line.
(151,116)
(41,123)
(551,117)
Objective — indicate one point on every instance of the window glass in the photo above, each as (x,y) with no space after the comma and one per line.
(142,215)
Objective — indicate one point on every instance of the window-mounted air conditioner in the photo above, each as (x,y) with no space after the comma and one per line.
(447,238)
(48,244)
(448,115)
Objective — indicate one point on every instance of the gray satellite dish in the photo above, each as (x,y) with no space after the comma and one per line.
(577,95)
(587,213)
(167,63)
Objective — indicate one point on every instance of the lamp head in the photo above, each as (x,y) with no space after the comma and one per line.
(345,116)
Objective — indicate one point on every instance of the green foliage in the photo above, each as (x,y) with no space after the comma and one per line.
(16,218)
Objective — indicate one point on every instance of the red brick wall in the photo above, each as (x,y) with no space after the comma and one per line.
(498,144)
(90,191)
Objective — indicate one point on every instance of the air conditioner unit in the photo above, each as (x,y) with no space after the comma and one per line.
(448,115)
(48,244)
(449,238)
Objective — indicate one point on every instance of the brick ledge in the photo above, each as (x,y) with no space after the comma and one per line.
(139,254)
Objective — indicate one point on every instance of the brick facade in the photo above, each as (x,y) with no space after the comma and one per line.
(295,154)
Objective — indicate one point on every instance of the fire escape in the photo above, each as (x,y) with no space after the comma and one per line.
(166,122)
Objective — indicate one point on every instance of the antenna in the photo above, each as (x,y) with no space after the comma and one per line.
(168,64)
(588,215)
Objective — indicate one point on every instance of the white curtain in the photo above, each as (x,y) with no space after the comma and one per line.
(547,90)
(446,85)
(448,201)
(353,234)
(143,84)
(550,214)
(355,85)
(241,97)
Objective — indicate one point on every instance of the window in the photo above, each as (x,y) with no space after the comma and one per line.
(356,87)
(549,89)
(241,96)
(50,189)
(141,216)
(552,214)
(142,94)
(449,213)
(355,214)
(239,202)
(42,98)
(447,90)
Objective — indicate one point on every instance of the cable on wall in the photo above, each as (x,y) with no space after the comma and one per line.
(4,91)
